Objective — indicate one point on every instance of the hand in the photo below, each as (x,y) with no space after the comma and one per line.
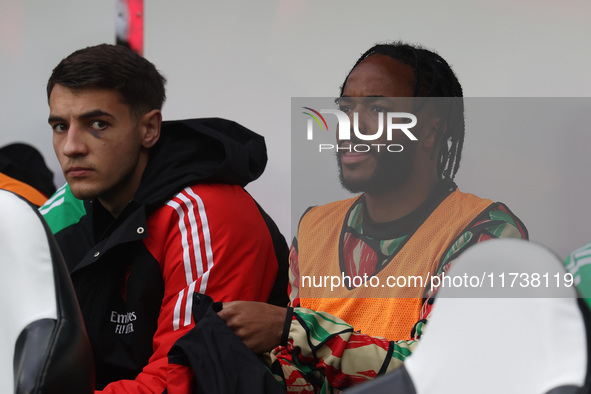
(259,325)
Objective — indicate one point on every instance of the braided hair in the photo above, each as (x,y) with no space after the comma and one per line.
(433,77)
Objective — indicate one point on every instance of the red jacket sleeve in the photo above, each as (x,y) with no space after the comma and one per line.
(210,239)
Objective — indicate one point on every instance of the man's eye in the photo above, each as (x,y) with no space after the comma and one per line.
(377,108)
(98,125)
(59,128)
(345,108)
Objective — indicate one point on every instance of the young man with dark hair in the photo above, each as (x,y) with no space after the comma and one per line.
(164,213)
(410,221)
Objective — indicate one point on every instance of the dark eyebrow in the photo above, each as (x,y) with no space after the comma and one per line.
(367,98)
(95,113)
(90,114)
(54,119)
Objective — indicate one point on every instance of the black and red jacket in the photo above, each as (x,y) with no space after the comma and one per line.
(190,228)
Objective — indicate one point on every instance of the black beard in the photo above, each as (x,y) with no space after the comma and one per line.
(392,170)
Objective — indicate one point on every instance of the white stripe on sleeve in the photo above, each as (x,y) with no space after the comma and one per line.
(176,317)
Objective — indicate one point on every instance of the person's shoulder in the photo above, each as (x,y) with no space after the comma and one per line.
(487,218)
(62,210)
(212,194)
(498,221)
(577,263)
(331,206)
(464,198)
(327,214)
(33,195)
(206,199)
(492,211)
(579,257)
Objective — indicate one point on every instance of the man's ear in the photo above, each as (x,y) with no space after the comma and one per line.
(150,124)
(431,130)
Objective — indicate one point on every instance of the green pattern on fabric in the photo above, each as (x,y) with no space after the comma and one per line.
(419,328)
(317,331)
(578,263)
(402,353)
(304,367)
(389,246)
(460,243)
(498,214)
(356,219)
(498,230)
(62,209)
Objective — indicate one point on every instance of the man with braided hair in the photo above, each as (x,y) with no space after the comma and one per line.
(410,220)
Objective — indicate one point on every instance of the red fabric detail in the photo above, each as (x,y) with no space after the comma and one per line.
(338,379)
(135,21)
(179,379)
(294,284)
(365,264)
(484,237)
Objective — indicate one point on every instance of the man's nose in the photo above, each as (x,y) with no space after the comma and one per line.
(75,144)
